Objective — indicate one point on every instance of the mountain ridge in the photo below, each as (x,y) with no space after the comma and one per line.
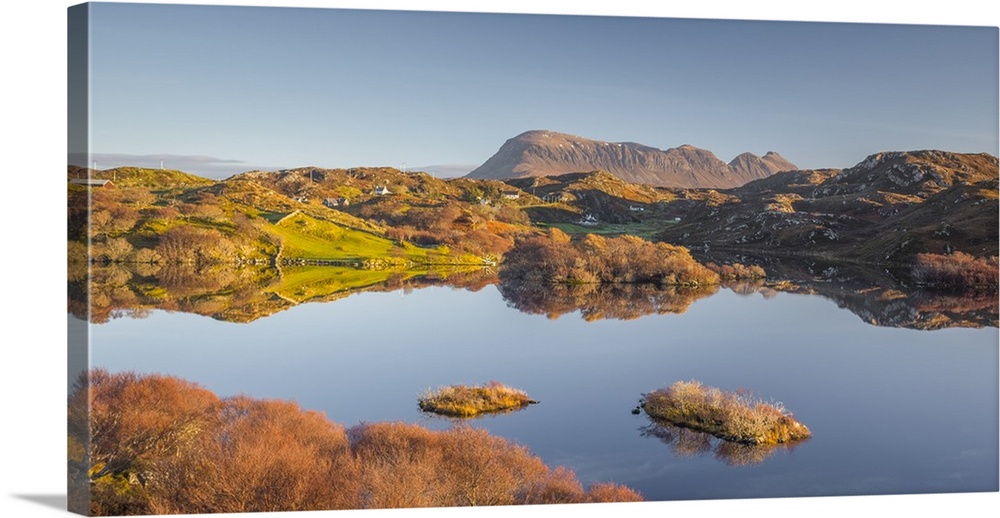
(546,153)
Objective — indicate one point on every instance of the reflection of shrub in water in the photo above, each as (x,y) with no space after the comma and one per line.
(601,301)
(110,291)
(133,289)
(225,292)
(969,309)
(686,442)
(183,281)
(147,268)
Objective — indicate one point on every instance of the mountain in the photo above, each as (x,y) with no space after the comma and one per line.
(545,153)
(885,209)
(753,166)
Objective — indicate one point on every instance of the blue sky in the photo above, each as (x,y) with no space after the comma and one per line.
(223,89)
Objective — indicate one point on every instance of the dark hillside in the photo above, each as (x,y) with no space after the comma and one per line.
(887,208)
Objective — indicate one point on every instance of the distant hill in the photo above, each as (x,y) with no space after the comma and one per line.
(544,153)
(140,177)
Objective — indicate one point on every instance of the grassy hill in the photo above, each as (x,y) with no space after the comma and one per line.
(158,179)
(163,216)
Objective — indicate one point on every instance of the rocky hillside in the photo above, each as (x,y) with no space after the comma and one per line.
(545,153)
(885,209)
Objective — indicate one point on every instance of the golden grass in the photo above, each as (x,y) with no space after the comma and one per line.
(731,416)
(469,401)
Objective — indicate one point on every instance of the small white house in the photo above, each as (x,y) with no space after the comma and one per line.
(588,220)
(382,191)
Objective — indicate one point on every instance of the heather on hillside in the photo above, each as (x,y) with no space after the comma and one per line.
(956,271)
(241,220)
(555,258)
(156,444)
(883,211)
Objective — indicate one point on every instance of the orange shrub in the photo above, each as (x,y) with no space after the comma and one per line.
(957,270)
(597,259)
(737,271)
(154,444)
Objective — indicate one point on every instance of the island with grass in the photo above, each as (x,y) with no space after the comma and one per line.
(736,417)
(473,400)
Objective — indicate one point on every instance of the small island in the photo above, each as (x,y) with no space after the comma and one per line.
(731,416)
(469,401)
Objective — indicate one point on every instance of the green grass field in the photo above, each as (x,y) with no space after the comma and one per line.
(306,237)
(644,229)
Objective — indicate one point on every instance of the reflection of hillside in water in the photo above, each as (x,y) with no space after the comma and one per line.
(685,442)
(242,294)
(914,309)
(601,301)
(875,295)
(249,293)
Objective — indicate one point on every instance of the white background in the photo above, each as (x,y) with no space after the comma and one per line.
(32,258)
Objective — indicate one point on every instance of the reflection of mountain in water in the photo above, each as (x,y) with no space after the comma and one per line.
(601,301)
(877,296)
(686,442)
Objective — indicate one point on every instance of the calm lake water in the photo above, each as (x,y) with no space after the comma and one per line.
(891,410)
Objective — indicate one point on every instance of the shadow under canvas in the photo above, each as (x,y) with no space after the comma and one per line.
(53,500)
